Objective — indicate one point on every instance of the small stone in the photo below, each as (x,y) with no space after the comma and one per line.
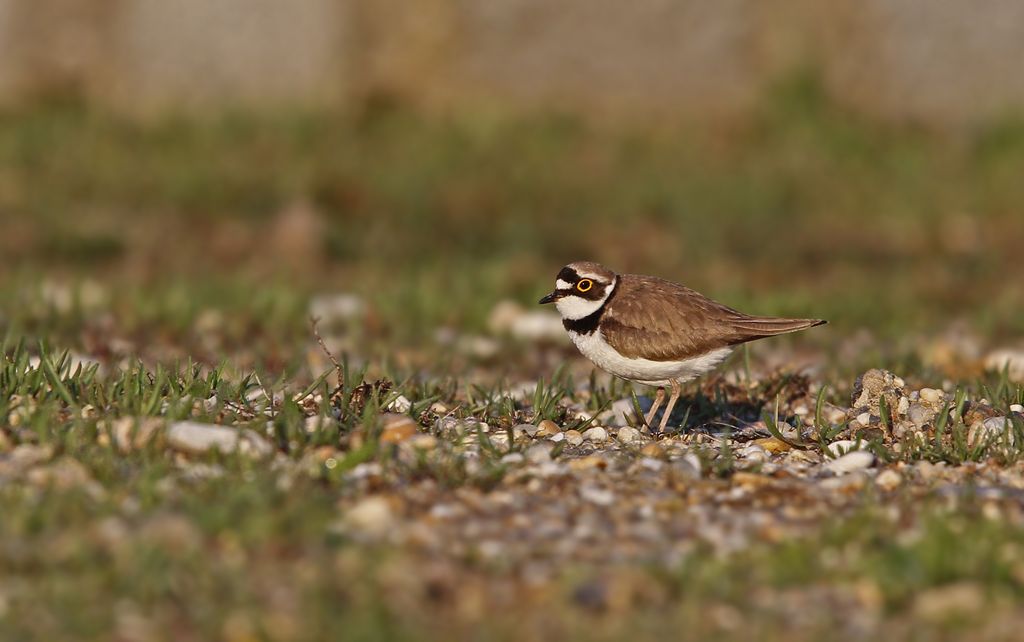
(529,430)
(597,434)
(688,466)
(850,462)
(755,453)
(926,470)
(588,463)
(197,438)
(597,495)
(628,435)
(888,479)
(920,415)
(422,442)
(397,428)
(1016,408)
(618,413)
(834,415)
(438,408)
(539,453)
(546,428)
(978,412)
(1009,359)
(864,419)
(874,385)
(773,445)
(843,446)
(991,430)
(573,437)
(372,516)
(654,451)
(131,434)
(557,437)
(513,459)
(931,395)
(400,405)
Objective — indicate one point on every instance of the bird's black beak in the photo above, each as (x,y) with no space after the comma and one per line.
(550,298)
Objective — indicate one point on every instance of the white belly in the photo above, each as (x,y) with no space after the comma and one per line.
(653,373)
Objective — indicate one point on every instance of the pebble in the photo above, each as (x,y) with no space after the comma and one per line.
(397,428)
(371,516)
(401,405)
(864,419)
(628,435)
(1010,359)
(687,466)
(843,446)
(197,438)
(931,395)
(755,453)
(1016,408)
(546,428)
(530,430)
(539,453)
(920,415)
(573,437)
(654,450)
(850,462)
(618,413)
(992,430)
(888,479)
(773,445)
(597,495)
(422,442)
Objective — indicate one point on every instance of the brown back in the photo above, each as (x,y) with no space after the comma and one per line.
(654,319)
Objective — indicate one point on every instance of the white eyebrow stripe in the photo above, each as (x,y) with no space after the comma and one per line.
(562,285)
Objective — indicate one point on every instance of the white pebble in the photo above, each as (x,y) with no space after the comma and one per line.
(850,462)
(888,479)
(1016,408)
(596,434)
(864,419)
(628,435)
(597,495)
(843,446)
(401,405)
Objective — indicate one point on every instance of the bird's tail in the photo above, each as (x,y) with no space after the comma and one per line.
(757,327)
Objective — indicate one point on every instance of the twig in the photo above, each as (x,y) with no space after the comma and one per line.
(314,323)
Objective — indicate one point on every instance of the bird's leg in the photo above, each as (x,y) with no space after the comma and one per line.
(658,398)
(677,389)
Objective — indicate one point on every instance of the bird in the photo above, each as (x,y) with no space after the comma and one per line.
(652,331)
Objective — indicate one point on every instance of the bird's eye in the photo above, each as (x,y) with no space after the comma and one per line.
(584,285)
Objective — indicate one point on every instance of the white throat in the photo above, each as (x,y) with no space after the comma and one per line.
(574,307)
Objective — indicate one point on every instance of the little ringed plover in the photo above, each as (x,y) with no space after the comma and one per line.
(652,331)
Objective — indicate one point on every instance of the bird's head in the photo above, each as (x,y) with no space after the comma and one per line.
(581,289)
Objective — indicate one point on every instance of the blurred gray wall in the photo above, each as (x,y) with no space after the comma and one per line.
(936,61)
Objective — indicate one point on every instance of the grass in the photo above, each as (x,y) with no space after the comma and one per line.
(247,550)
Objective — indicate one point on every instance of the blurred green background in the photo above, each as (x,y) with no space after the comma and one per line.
(146,217)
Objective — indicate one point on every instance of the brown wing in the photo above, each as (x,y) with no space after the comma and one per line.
(655,319)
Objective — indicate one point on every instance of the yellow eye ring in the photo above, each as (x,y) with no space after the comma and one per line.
(584,285)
